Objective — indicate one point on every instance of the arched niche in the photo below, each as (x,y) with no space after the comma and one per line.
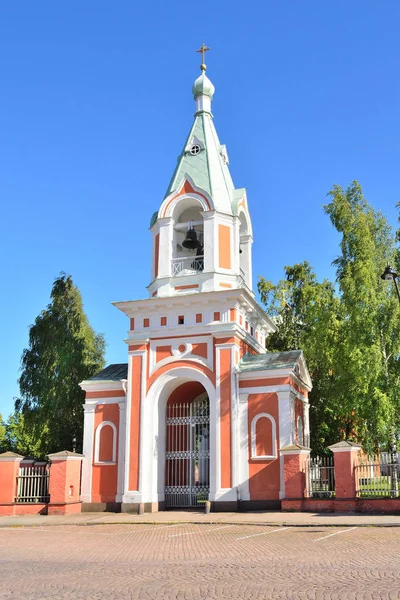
(187,214)
(263,437)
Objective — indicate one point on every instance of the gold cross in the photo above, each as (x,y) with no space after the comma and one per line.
(203,50)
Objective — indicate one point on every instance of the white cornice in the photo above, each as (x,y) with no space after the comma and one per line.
(102,384)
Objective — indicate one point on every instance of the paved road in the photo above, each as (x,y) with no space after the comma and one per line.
(189,562)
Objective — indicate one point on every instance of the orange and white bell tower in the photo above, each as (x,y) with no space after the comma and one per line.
(201,410)
(202,233)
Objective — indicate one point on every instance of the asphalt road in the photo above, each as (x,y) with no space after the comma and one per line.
(188,561)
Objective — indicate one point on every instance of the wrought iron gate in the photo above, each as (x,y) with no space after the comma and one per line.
(187,456)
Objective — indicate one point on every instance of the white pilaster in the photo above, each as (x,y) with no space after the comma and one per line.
(121,450)
(243,443)
(285,432)
(88,440)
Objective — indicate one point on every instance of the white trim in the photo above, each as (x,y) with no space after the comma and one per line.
(100,386)
(175,342)
(97,460)
(254,455)
(88,435)
(152,448)
(348,449)
(243,442)
(108,400)
(121,451)
(295,451)
(59,458)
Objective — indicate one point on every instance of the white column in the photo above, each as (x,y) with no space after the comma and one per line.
(165,226)
(210,242)
(285,432)
(88,437)
(121,450)
(306,408)
(243,442)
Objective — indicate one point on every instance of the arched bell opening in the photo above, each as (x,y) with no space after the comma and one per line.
(188,238)
(187,447)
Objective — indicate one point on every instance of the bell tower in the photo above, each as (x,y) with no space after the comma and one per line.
(201,234)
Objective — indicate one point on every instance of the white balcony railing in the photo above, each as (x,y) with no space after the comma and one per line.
(189,265)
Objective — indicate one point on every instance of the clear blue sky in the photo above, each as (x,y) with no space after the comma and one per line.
(94,109)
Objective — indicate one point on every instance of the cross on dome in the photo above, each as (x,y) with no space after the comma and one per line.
(203,49)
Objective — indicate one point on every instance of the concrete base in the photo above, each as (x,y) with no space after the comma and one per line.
(136,508)
(114,507)
(254,505)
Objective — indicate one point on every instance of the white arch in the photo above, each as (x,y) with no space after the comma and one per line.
(152,450)
(97,444)
(254,440)
(170,210)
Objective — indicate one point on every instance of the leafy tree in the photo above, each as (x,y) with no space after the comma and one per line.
(308,317)
(367,363)
(3,446)
(17,437)
(63,351)
(349,332)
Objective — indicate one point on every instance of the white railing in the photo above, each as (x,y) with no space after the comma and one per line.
(189,265)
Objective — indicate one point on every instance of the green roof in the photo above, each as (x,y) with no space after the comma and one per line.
(271,360)
(111,373)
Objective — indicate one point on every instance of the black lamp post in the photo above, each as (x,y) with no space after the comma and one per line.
(390,275)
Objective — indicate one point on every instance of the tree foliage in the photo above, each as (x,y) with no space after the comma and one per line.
(63,350)
(349,331)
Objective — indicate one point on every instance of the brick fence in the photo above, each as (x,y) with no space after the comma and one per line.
(63,486)
(347,458)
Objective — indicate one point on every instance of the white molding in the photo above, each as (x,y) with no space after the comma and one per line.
(254,454)
(175,342)
(102,385)
(68,458)
(121,451)
(295,451)
(88,442)
(348,449)
(106,400)
(243,442)
(99,427)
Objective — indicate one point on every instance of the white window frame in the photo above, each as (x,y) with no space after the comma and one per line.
(97,460)
(254,454)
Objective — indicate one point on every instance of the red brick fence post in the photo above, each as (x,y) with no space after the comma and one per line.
(65,482)
(9,467)
(346,461)
(295,468)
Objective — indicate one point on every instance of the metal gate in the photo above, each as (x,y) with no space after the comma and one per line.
(187,456)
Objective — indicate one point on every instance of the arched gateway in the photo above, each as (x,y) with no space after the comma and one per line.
(200,410)
(187,449)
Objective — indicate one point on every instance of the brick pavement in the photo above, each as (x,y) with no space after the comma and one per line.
(190,561)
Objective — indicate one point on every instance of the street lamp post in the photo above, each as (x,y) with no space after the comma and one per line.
(390,275)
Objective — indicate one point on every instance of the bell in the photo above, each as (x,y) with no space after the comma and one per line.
(191,242)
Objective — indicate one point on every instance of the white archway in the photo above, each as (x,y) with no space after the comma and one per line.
(152,447)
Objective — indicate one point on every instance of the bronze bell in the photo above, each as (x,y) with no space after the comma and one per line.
(191,242)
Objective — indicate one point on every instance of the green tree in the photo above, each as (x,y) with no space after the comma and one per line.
(367,366)
(308,317)
(349,332)
(3,446)
(63,350)
(17,438)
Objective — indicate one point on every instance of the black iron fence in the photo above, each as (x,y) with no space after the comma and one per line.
(379,476)
(322,477)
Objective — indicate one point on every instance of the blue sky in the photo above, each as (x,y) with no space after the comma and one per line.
(95,106)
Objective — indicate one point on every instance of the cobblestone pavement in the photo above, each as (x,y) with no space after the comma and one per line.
(188,561)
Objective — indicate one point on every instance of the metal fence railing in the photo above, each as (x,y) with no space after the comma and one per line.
(378,476)
(322,477)
(33,484)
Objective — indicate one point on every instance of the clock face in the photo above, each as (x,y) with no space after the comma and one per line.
(195,149)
